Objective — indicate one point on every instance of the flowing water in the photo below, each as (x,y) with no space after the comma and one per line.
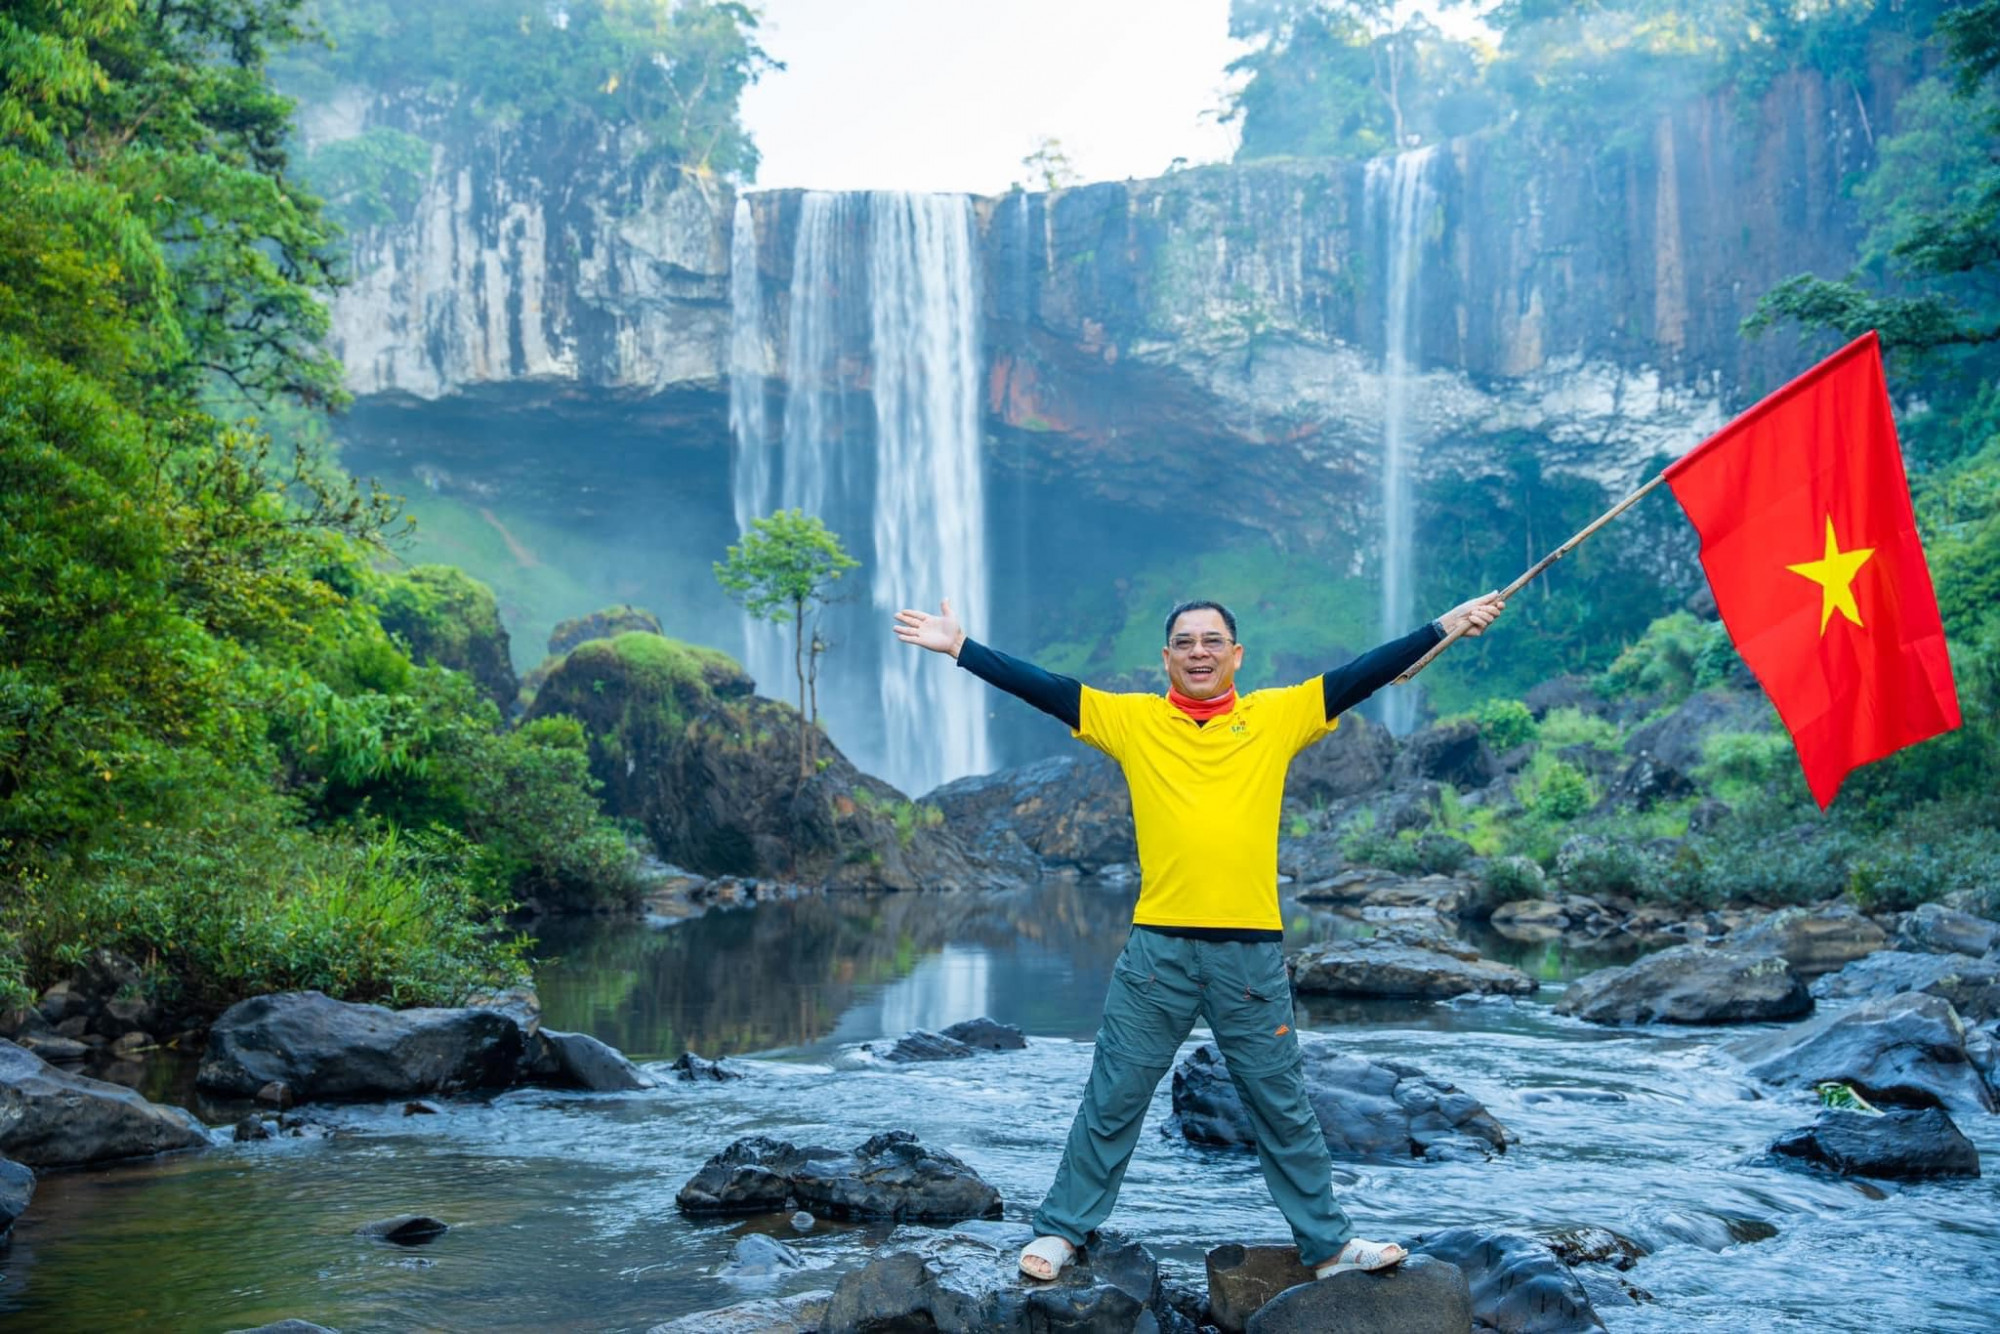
(1400,200)
(880,439)
(562,1204)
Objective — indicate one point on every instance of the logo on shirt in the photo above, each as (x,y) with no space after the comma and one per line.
(1239,727)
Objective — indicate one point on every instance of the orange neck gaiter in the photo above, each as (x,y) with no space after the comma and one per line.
(1201,710)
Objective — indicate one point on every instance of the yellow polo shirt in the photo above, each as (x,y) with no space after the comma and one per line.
(1206,800)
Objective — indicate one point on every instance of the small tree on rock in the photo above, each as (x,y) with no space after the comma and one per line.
(783,567)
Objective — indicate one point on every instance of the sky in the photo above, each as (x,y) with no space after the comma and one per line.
(950,95)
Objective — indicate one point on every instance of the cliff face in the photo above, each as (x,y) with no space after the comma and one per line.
(1220,328)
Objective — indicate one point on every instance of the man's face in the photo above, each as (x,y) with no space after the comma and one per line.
(1200,655)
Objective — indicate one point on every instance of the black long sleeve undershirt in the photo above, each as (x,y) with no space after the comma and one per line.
(1061,697)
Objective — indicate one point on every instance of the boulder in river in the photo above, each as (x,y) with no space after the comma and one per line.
(919,1045)
(1382,968)
(800,1313)
(1690,984)
(17,1187)
(760,1257)
(405,1229)
(1902,1144)
(752,1176)
(51,1118)
(970,1280)
(1934,927)
(1243,1279)
(1907,1050)
(892,1175)
(1517,1281)
(1366,1109)
(321,1048)
(1971,985)
(987,1035)
(1422,1295)
(583,1062)
(693,1069)
(1070,811)
(1811,940)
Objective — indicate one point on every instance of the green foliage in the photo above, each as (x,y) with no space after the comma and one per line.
(1505,723)
(672,72)
(786,562)
(374,178)
(1661,663)
(1563,728)
(1509,879)
(1555,789)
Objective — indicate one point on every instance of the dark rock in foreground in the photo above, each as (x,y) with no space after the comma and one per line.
(1690,984)
(891,1176)
(50,1118)
(17,1188)
(1243,1279)
(405,1229)
(1907,1050)
(1811,940)
(1422,1295)
(1516,1280)
(1366,1109)
(801,1313)
(919,1045)
(1379,968)
(759,1256)
(969,1280)
(1971,985)
(1899,1145)
(322,1048)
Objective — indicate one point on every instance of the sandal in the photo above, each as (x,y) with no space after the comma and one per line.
(1367,1256)
(1048,1254)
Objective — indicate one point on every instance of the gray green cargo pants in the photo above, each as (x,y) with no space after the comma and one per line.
(1159,986)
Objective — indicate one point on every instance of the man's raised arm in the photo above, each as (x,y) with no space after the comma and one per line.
(1058,696)
(1348,685)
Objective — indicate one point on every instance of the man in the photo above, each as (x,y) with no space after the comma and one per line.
(1207,771)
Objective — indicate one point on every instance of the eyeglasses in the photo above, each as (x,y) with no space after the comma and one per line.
(1187,643)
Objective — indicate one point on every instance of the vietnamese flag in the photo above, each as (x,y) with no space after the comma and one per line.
(1811,547)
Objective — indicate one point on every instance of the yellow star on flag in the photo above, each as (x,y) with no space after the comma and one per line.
(1834,573)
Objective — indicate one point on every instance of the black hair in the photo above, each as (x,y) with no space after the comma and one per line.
(1185,607)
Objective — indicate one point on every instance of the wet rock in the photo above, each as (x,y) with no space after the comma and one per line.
(1899,1145)
(803,1221)
(328,1049)
(1971,985)
(1934,927)
(288,1327)
(692,1069)
(421,1108)
(1812,941)
(1355,760)
(50,1118)
(1380,968)
(1689,984)
(23,1024)
(959,1281)
(1243,1279)
(801,1313)
(1907,1050)
(894,1176)
(404,1229)
(252,1128)
(1366,1109)
(1071,811)
(52,1048)
(753,1175)
(17,1188)
(1594,1246)
(919,1045)
(521,1002)
(277,1093)
(1530,912)
(986,1035)
(757,1256)
(1564,692)
(584,1062)
(1517,1282)
(1422,1295)
(1665,752)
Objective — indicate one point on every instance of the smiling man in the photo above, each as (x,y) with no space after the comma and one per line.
(1206,768)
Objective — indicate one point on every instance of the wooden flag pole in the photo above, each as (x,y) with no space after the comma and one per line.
(1536,570)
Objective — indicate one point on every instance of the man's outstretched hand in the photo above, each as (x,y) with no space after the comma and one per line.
(939,634)
(1475,615)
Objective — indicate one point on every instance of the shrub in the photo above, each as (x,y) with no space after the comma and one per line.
(1506,879)
(1593,864)
(1505,723)
(1662,661)
(1562,728)
(1559,791)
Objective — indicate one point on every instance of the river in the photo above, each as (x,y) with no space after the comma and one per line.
(562,1205)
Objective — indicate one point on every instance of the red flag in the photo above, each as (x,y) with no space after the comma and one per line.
(1811,547)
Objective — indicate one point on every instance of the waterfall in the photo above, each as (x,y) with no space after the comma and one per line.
(883,294)
(1399,196)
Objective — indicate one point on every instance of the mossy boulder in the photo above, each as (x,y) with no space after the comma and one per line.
(448,618)
(711,771)
(604,623)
